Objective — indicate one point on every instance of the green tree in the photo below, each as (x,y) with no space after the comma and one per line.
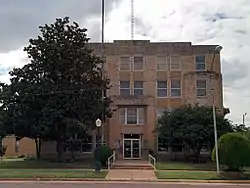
(60,88)
(192,127)
(234,151)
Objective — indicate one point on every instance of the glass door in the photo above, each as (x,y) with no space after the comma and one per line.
(127,149)
(135,148)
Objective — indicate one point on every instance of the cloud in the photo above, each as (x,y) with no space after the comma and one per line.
(222,22)
(20,19)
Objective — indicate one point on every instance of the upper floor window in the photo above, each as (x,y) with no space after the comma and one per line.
(138,88)
(162,63)
(175,88)
(132,116)
(138,63)
(162,90)
(201,88)
(124,88)
(175,63)
(125,63)
(200,62)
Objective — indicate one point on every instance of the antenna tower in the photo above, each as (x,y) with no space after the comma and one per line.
(132,19)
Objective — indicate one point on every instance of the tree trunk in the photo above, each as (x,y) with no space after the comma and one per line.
(60,150)
(38,148)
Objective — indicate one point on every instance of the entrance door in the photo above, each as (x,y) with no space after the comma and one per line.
(135,148)
(127,149)
(131,147)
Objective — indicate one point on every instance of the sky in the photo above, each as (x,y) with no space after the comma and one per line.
(222,22)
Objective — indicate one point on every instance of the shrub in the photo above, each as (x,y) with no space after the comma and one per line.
(3,149)
(102,153)
(234,151)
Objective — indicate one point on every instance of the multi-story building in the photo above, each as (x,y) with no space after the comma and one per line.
(150,77)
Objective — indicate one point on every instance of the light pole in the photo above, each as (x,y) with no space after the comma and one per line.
(98,124)
(243,118)
(217,49)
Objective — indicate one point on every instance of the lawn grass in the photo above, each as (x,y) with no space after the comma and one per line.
(44,164)
(185,166)
(45,173)
(195,175)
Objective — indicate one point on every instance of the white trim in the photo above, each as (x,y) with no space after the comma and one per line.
(166,62)
(161,88)
(201,88)
(141,88)
(124,88)
(130,66)
(143,62)
(137,116)
(204,62)
(170,63)
(175,88)
(131,147)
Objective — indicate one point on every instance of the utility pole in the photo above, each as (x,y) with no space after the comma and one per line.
(102,68)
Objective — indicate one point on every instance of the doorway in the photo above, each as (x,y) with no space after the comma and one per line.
(131,146)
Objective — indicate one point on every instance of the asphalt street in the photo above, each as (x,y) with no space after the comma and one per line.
(112,185)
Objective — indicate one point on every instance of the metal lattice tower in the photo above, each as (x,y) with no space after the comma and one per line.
(132,19)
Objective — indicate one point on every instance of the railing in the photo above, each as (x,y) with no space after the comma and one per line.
(111,160)
(152,161)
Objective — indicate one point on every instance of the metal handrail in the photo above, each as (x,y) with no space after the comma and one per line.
(111,160)
(150,159)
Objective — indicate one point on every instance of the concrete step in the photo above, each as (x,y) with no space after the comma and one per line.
(133,167)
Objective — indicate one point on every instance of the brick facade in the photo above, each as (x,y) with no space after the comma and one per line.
(185,52)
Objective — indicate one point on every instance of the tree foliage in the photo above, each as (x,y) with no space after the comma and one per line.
(192,127)
(234,151)
(59,92)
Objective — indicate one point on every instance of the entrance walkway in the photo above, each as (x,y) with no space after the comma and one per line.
(117,174)
(131,170)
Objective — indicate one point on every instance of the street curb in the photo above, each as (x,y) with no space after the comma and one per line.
(127,180)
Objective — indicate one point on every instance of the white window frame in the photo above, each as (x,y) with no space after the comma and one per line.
(137,116)
(121,62)
(166,59)
(180,63)
(143,62)
(161,89)
(201,88)
(200,63)
(129,88)
(175,88)
(141,88)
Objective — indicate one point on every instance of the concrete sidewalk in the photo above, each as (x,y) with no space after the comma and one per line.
(145,175)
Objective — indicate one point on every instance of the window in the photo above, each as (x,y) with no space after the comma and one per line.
(162,89)
(138,63)
(125,63)
(200,62)
(162,63)
(201,88)
(124,88)
(175,63)
(138,88)
(175,88)
(131,116)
